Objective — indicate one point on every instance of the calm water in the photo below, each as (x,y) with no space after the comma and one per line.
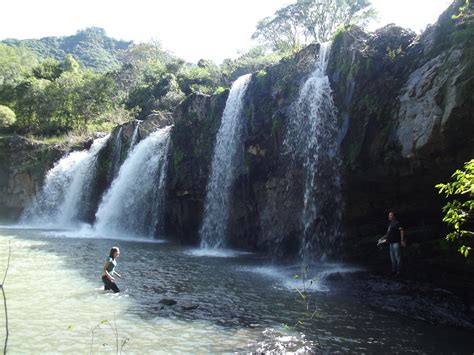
(55,303)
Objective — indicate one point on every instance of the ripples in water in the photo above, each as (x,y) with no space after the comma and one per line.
(224,304)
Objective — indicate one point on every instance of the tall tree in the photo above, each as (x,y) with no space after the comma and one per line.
(15,63)
(311,20)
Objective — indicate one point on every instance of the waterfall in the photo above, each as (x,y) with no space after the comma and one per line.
(66,191)
(132,205)
(116,154)
(312,141)
(134,140)
(225,159)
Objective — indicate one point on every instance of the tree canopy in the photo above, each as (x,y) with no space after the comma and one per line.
(306,21)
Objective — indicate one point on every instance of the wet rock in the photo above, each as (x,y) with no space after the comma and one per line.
(418,300)
(168,302)
(190,307)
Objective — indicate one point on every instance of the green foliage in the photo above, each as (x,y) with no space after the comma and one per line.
(15,63)
(49,69)
(219,90)
(454,26)
(61,97)
(394,52)
(309,315)
(91,47)
(459,212)
(255,60)
(7,117)
(463,10)
(306,21)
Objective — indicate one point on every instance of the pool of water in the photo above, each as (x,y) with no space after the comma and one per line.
(226,302)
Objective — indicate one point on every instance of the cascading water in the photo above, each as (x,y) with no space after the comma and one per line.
(224,162)
(134,140)
(116,153)
(312,140)
(66,191)
(131,207)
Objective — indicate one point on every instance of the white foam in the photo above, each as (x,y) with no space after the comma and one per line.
(88,232)
(290,277)
(217,253)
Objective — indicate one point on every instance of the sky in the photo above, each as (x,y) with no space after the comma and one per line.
(191,29)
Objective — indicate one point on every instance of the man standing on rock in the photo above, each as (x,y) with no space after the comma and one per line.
(395,238)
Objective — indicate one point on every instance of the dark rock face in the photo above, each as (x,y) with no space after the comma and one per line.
(260,192)
(408,115)
(405,109)
(196,122)
(407,103)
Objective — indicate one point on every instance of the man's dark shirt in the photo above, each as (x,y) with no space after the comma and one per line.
(393,232)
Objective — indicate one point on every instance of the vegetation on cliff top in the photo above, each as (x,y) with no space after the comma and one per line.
(90,81)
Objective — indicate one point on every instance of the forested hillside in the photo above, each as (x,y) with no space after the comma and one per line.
(90,47)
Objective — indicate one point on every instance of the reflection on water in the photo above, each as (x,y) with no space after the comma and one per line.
(227,304)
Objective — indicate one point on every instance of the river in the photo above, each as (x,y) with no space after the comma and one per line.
(228,302)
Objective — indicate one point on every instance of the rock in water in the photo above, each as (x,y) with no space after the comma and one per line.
(168,302)
(190,307)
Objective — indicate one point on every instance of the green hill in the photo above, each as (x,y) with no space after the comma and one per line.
(90,47)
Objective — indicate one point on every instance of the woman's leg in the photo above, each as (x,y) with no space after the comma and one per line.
(109,285)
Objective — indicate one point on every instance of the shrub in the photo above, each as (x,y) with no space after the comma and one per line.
(7,117)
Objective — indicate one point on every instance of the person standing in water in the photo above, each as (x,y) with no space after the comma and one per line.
(108,271)
(395,237)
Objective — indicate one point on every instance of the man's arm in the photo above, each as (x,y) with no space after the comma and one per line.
(382,239)
(402,236)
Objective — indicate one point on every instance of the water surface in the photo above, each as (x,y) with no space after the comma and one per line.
(224,304)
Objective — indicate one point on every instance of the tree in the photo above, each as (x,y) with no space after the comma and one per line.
(459,213)
(15,63)
(311,20)
(71,65)
(49,69)
(94,98)
(283,31)
(7,117)
(32,105)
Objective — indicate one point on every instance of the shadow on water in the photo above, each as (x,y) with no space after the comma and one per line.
(242,291)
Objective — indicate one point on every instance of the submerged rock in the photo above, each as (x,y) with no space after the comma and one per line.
(190,307)
(167,302)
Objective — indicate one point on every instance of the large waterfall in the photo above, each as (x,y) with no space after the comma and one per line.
(312,141)
(131,207)
(226,157)
(66,191)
